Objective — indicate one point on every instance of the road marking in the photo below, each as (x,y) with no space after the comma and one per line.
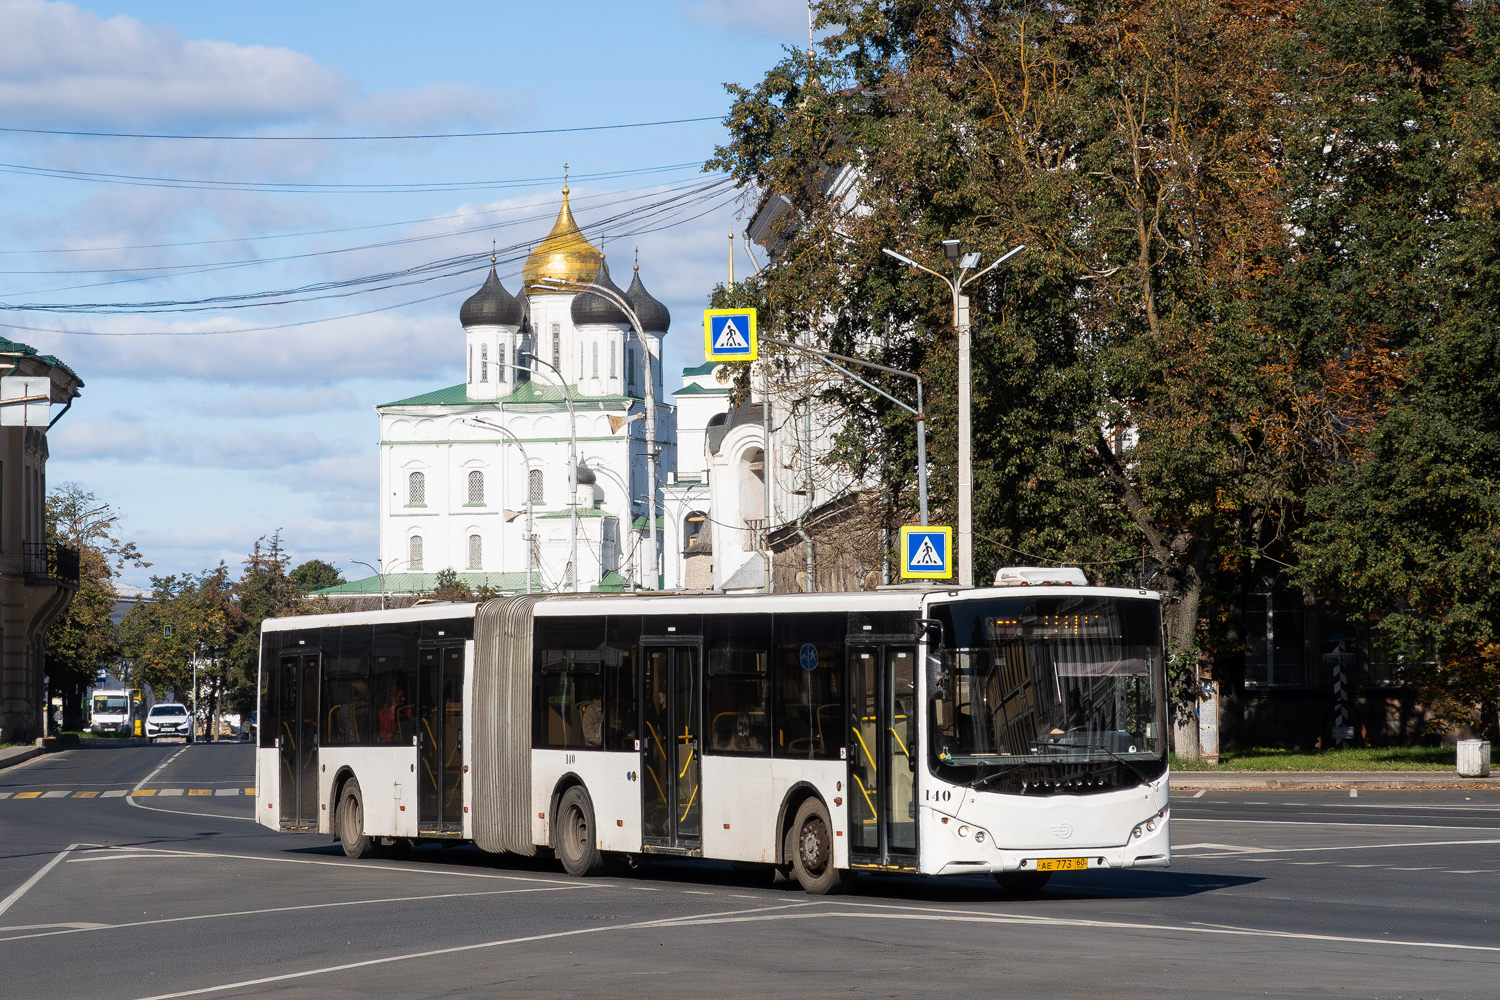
(178,812)
(78,928)
(226,791)
(142,791)
(1354,793)
(1351,847)
(1429,868)
(1360,866)
(117,794)
(1237,848)
(250,791)
(200,791)
(1341,826)
(1201,793)
(684,921)
(824,910)
(85,795)
(10,900)
(4,795)
(164,792)
(28,795)
(56,795)
(1311,862)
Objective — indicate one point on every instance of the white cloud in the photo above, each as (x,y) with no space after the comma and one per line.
(247,448)
(315,399)
(60,63)
(770,18)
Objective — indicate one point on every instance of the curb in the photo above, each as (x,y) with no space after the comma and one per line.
(19,755)
(1249,780)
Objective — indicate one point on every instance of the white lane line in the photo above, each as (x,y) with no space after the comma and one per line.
(1201,793)
(1237,848)
(56,795)
(78,928)
(1350,847)
(10,900)
(135,800)
(460,949)
(1341,826)
(360,865)
(5,795)
(165,792)
(116,794)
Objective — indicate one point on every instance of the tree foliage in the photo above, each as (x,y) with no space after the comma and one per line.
(1247,222)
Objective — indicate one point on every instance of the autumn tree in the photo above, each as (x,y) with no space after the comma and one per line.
(84,639)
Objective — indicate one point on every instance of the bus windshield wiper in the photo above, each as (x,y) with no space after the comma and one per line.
(1114,755)
(986,779)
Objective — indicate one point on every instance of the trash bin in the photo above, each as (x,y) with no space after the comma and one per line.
(1473,758)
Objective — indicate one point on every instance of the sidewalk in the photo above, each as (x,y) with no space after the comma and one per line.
(1232,780)
(18,755)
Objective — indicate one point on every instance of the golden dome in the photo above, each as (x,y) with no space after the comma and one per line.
(565,254)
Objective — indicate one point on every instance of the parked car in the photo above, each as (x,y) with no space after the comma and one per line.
(169,719)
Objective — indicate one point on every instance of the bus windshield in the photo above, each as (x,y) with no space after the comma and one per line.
(109,705)
(1035,679)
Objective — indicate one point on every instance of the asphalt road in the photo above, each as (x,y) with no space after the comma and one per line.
(1393,894)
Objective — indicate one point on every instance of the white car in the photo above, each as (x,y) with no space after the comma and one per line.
(169,719)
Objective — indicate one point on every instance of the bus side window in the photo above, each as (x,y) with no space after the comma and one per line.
(346,719)
(738,653)
(569,682)
(808,716)
(393,680)
(622,717)
(268,724)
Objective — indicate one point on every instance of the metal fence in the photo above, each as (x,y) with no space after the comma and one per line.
(51,562)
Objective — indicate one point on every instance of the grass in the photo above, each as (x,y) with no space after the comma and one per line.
(1353,759)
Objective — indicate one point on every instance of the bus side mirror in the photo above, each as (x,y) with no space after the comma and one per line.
(937,676)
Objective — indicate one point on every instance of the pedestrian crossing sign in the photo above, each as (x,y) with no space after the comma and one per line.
(926,552)
(729,335)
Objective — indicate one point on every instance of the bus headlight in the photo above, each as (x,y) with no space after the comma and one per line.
(1148,826)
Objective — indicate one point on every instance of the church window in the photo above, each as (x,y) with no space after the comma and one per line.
(416,489)
(580,362)
(557,344)
(476,552)
(534,483)
(414,554)
(611,359)
(471,364)
(476,487)
(596,360)
(629,368)
(484,362)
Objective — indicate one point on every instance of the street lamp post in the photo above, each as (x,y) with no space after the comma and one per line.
(590,288)
(380,573)
(526,466)
(961,262)
(572,467)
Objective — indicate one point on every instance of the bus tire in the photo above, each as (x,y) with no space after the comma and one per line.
(351,820)
(812,859)
(576,849)
(1022,883)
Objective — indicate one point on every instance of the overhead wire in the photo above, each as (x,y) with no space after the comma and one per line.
(78,133)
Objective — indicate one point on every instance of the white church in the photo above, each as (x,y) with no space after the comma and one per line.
(474,478)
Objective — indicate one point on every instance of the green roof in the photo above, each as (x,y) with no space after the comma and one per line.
(702,369)
(423,583)
(701,390)
(639,524)
(612,582)
(440,397)
(16,347)
(565,514)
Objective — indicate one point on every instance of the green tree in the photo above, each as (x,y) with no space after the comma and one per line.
(84,639)
(315,574)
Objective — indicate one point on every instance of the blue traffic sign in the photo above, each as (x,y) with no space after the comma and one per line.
(808,657)
(730,335)
(926,552)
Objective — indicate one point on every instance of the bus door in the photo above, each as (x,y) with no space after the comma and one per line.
(440,754)
(671,728)
(882,754)
(297,739)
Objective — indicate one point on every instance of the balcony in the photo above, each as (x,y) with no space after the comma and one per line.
(49,562)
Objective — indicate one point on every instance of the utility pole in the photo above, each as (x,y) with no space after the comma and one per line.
(952,249)
(572,467)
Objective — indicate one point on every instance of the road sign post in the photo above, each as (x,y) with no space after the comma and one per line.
(730,335)
(926,552)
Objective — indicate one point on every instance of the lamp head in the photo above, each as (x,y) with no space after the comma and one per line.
(951,250)
(970,260)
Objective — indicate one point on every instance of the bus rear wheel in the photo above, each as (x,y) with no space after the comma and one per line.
(351,820)
(576,849)
(1022,883)
(812,854)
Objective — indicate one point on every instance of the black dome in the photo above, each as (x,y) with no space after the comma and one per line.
(591,308)
(492,305)
(653,315)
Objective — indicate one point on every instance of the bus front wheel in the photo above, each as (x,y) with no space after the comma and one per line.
(576,849)
(351,819)
(812,855)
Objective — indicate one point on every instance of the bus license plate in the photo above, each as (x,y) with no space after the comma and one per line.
(1062,864)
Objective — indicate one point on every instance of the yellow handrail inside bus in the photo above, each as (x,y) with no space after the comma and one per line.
(686,763)
(689,807)
(868,755)
(905,752)
(866,794)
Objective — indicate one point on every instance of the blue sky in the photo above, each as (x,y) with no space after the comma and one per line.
(207,442)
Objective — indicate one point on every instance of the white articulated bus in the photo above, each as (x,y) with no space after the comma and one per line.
(1011,730)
